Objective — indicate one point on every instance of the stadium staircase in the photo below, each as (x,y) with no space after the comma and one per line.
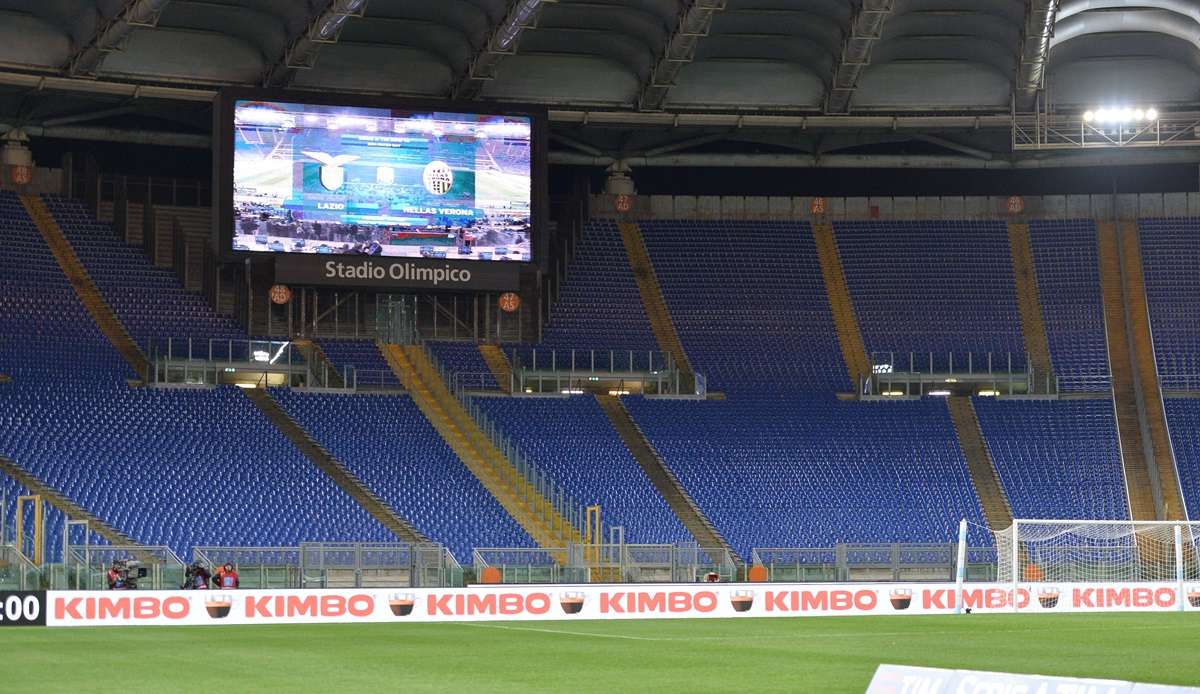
(498,363)
(653,301)
(1142,480)
(333,468)
(1033,326)
(68,508)
(1153,409)
(854,351)
(89,295)
(523,502)
(319,364)
(996,509)
(668,486)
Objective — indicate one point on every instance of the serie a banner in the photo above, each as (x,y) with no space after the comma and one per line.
(572,602)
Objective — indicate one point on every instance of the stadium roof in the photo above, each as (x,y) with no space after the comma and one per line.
(826,65)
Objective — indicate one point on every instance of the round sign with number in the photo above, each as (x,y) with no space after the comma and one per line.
(623,203)
(818,206)
(1016,204)
(22,175)
(509,302)
(281,294)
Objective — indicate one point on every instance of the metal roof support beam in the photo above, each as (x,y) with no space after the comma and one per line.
(1112,157)
(695,18)
(1035,50)
(866,27)
(521,15)
(112,33)
(325,26)
(956,146)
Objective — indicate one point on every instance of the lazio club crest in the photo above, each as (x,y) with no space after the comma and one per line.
(332,173)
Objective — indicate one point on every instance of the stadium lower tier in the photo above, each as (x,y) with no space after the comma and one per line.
(394,450)
(176,467)
(812,471)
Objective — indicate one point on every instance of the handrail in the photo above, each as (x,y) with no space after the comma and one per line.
(523,470)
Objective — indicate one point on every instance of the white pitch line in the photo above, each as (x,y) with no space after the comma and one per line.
(564,631)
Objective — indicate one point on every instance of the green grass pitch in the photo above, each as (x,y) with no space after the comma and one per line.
(826,654)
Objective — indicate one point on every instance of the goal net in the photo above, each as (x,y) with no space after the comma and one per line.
(1078,551)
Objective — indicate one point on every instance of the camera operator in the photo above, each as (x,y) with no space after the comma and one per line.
(196,578)
(227,577)
(118,576)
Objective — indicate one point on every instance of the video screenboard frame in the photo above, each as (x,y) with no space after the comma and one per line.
(223,169)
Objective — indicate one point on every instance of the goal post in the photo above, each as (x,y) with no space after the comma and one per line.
(1097,551)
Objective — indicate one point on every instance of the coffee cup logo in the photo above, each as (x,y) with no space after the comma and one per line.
(571,601)
(218,606)
(1048,597)
(401,604)
(742,600)
(1193,595)
(901,598)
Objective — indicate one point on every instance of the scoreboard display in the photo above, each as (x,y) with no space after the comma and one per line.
(330,176)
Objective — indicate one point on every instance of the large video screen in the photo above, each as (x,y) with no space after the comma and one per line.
(311,178)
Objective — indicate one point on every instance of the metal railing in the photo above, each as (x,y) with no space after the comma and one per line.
(924,373)
(607,563)
(376,565)
(524,475)
(885,562)
(207,362)
(17,572)
(257,567)
(85,566)
(570,371)
(520,565)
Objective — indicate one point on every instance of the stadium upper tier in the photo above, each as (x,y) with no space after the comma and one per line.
(811,471)
(1068,278)
(749,303)
(150,301)
(598,304)
(1171,258)
(940,287)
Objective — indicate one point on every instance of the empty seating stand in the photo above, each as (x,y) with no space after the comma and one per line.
(1183,419)
(812,471)
(748,301)
(1056,458)
(394,450)
(573,441)
(466,365)
(1068,276)
(934,286)
(150,301)
(598,304)
(1171,263)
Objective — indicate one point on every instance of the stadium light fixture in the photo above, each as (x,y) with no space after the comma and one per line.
(1118,115)
(951,380)
(940,393)
(988,393)
(892,393)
